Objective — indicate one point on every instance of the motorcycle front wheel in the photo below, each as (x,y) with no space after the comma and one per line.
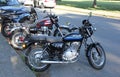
(96,56)
(33,57)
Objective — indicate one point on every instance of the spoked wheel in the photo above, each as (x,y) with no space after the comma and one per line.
(96,56)
(34,56)
(5,30)
(18,39)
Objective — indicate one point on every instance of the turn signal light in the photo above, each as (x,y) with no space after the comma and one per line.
(24,45)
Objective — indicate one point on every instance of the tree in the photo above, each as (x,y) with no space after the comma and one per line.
(94,4)
(59,0)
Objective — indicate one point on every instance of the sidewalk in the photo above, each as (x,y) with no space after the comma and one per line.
(11,64)
(95,12)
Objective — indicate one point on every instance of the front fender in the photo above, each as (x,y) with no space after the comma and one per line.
(89,47)
(23,17)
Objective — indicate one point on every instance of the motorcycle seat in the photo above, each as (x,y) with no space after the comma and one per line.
(46,38)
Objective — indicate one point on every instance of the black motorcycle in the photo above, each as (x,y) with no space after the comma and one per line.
(46,50)
(12,18)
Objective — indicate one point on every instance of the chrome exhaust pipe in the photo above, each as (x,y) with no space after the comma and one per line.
(56,62)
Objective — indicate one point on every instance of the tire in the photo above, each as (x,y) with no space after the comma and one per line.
(16,38)
(5,30)
(33,56)
(65,31)
(96,56)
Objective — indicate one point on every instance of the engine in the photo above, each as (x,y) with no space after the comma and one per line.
(71,52)
(44,30)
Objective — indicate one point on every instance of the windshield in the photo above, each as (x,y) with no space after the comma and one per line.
(9,2)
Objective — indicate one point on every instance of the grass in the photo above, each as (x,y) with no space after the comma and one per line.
(87,4)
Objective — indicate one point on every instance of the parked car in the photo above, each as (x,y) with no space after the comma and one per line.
(29,2)
(39,3)
(47,3)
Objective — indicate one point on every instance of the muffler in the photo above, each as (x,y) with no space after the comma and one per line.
(57,62)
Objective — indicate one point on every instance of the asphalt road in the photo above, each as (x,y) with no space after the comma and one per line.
(108,34)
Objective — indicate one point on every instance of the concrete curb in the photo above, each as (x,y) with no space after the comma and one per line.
(95,12)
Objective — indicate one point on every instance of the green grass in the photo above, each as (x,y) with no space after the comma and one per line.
(87,4)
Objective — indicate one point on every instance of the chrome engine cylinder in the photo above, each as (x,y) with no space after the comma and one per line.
(71,53)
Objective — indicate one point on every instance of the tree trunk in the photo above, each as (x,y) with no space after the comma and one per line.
(94,4)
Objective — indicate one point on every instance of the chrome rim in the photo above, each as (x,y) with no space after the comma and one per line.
(97,57)
(18,40)
(7,30)
(35,56)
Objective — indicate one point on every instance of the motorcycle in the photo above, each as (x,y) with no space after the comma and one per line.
(47,26)
(46,50)
(11,18)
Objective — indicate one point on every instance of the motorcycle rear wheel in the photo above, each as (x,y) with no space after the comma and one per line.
(96,56)
(33,57)
(16,37)
(5,30)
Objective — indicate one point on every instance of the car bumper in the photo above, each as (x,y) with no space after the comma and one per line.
(50,4)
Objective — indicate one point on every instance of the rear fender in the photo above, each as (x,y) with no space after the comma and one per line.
(23,17)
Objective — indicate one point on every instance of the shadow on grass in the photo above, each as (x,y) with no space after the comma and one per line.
(101,5)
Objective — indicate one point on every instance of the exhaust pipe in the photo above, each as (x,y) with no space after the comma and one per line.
(56,62)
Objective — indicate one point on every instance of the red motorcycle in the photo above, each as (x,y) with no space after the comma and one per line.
(48,26)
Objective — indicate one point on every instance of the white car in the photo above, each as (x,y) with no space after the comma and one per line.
(47,3)
(27,2)
(39,3)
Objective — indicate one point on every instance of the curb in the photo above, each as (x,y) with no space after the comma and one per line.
(95,12)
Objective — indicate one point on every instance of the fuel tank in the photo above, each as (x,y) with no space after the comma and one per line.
(44,22)
(73,37)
